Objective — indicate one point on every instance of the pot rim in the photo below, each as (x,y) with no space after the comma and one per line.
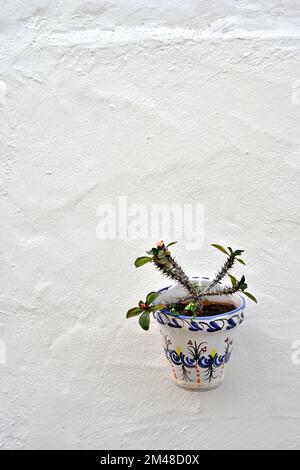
(221,315)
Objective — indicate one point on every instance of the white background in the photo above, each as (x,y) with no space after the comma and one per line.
(162,102)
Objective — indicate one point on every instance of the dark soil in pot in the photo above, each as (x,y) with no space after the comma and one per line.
(210,309)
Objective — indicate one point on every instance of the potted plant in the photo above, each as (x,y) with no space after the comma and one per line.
(197,317)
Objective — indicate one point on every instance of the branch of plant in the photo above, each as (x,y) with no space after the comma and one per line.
(169,267)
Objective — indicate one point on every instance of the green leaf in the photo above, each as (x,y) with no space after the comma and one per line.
(171,244)
(241,261)
(153,252)
(238,252)
(221,248)
(144,321)
(234,280)
(133,312)
(157,307)
(152,297)
(191,308)
(242,281)
(243,287)
(141,261)
(250,296)
(174,311)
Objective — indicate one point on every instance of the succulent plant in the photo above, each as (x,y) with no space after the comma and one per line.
(162,259)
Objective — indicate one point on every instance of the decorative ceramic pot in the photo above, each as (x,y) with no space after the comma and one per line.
(198,350)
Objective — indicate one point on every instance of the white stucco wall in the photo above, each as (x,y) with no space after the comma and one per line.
(191,102)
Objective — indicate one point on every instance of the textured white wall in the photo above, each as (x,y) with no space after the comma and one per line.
(160,101)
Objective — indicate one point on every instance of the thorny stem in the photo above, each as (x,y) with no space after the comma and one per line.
(206,293)
(166,264)
(174,271)
(222,273)
(171,269)
(224,291)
